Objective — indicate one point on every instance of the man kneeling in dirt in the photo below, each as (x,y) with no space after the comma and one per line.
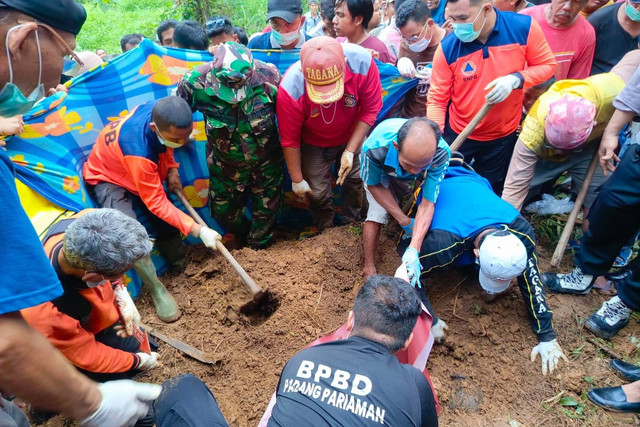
(471,224)
(396,153)
(359,381)
(94,322)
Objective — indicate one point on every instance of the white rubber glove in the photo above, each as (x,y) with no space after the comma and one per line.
(209,237)
(301,189)
(123,403)
(424,75)
(406,68)
(437,330)
(550,353)
(148,361)
(129,314)
(346,163)
(502,87)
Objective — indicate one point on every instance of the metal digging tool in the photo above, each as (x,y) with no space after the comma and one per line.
(199,355)
(258,295)
(462,137)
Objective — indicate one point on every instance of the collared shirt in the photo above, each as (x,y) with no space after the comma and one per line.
(461,71)
(379,160)
(331,125)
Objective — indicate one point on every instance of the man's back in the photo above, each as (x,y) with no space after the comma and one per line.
(354,382)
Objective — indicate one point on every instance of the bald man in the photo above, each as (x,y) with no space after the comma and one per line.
(396,153)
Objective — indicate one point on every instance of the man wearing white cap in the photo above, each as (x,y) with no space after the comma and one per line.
(492,234)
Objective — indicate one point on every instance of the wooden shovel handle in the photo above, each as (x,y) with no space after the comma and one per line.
(251,284)
(455,145)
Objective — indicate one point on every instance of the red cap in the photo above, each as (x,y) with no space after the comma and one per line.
(322,61)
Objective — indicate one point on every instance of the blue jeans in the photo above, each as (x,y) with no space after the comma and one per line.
(186,402)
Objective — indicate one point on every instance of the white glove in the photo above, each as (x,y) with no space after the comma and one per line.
(550,353)
(424,75)
(346,163)
(437,330)
(406,68)
(301,189)
(209,237)
(502,87)
(148,361)
(128,312)
(123,403)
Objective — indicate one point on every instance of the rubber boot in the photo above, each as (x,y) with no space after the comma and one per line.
(166,307)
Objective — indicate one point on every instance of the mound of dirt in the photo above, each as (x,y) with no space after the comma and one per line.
(482,374)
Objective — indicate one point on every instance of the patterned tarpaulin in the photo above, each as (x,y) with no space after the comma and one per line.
(60,131)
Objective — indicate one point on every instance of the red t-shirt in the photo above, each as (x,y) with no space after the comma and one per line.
(299,119)
(573,47)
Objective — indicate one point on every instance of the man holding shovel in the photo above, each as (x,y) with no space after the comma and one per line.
(129,161)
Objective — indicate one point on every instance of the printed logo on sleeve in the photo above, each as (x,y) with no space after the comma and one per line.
(349,100)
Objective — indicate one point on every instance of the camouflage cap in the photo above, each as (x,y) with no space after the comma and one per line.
(232,72)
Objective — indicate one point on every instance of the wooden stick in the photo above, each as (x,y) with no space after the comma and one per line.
(254,289)
(470,127)
(605,349)
(568,227)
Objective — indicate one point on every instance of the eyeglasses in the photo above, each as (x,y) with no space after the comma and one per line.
(414,39)
(59,39)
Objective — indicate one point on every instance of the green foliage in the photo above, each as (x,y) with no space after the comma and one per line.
(109,20)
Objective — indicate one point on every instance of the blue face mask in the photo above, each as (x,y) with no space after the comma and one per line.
(465,32)
(632,13)
(12,101)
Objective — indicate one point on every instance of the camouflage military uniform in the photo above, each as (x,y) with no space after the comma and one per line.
(237,95)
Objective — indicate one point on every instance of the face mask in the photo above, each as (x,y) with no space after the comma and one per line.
(465,32)
(12,101)
(166,143)
(420,45)
(632,13)
(285,39)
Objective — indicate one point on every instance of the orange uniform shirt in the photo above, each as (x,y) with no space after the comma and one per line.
(129,154)
(461,71)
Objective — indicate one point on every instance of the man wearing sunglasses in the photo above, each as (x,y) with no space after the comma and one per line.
(472,225)
(128,164)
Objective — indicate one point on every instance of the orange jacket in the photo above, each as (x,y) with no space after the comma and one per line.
(76,339)
(128,153)
(461,71)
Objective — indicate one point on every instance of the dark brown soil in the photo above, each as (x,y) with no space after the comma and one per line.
(482,373)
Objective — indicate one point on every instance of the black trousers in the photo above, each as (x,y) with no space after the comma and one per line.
(186,402)
(490,158)
(614,219)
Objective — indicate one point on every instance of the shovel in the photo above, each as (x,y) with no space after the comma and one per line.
(462,137)
(258,295)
